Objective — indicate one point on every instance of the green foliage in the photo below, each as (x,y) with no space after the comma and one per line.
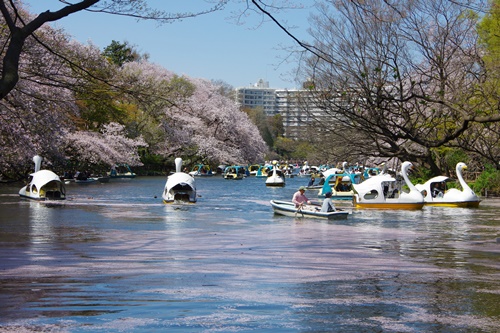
(275,125)
(420,175)
(447,159)
(120,53)
(97,107)
(489,29)
(270,127)
(301,151)
(153,164)
(285,147)
(488,180)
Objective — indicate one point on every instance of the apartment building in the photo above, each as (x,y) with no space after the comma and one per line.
(296,107)
(258,95)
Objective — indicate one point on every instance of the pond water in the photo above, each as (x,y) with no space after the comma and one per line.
(113,257)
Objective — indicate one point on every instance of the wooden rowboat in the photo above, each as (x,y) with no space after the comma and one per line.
(287,208)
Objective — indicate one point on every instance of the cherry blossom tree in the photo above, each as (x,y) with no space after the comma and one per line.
(34,116)
(22,27)
(234,138)
(190,117)
(42,114)
(105,148)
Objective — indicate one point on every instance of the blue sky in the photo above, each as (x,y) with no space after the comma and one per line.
(212,46)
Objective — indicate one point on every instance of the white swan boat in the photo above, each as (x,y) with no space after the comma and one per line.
(180,186)
(275,177)
(43,184)
(435,191)
(384,192)
(288,208)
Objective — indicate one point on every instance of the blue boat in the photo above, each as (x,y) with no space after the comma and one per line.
(235,172)
(201,170)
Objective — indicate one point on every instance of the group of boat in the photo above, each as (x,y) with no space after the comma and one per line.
(386,191)
(374,188)
(379,189)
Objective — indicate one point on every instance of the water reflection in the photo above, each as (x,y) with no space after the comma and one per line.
(113,257)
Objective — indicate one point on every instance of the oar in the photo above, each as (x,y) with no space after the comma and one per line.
(299,209)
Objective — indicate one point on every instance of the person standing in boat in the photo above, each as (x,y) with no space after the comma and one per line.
(327,204)
(299,198)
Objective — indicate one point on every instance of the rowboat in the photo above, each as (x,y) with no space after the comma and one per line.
(288,208)
(121,171)
(435,191)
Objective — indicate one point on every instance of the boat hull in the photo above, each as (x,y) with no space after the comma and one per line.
(38,198)
(122,176)
(465,204)
(233,176)
(86,181)
(388,205)
(277,184)
(288,209)
(339,196)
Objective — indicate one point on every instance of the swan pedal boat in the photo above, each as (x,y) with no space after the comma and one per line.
(201,170)
(340,185)
(465,198)
(275,177)
(383,192)
(288,208)
(234,172)
(43,184)
(180,186)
